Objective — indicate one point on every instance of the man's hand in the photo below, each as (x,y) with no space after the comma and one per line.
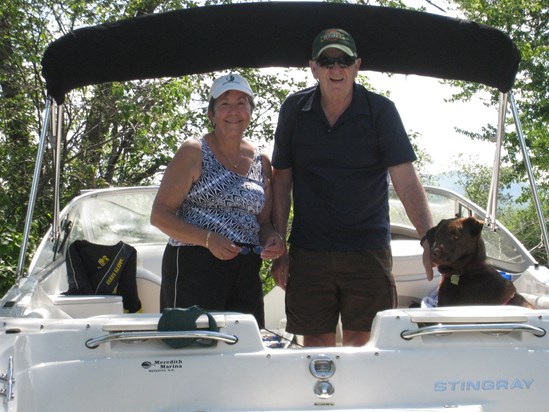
(279,270)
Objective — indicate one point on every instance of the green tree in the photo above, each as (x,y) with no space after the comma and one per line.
(527,23)
(21,43)
(109,139)
(524,224)
(474,178)
(516,214)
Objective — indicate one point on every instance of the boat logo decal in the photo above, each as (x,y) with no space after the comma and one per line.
(483,385)
(162,365)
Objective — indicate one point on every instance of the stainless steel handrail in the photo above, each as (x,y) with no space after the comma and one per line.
(34,188)
(493,328)
(530,172)
(146,335)
(491,207)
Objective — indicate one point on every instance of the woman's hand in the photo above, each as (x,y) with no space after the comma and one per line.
(221,247)
(274,247)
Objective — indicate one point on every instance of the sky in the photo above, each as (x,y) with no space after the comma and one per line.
(423,109)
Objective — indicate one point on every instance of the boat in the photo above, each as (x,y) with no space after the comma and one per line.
(63,353)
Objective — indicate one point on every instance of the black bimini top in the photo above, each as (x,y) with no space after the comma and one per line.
(277,34)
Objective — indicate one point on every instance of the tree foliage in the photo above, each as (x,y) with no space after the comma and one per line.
(114,134)
(527,23)
(125,133)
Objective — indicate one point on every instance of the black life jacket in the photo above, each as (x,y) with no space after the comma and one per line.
(103,270)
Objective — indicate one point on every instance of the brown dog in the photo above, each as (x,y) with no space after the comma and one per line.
(458,250)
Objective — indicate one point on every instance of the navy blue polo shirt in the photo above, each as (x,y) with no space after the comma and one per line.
(340,173)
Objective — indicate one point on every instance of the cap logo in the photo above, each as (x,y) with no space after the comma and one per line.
(332,36)
(230,79)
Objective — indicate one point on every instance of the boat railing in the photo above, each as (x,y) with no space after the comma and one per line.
(492,328)
(155,335)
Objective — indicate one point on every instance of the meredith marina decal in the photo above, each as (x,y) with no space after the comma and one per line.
(162,365)
(483,385)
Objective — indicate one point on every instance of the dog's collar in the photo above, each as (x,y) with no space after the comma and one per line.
(476,264)
(452,271)
(454,277)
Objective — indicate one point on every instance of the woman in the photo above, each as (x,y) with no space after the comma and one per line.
(214,202)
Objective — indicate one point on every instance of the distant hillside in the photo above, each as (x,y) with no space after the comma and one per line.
(450,181)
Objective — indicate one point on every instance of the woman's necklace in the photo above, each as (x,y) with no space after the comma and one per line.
(234,165)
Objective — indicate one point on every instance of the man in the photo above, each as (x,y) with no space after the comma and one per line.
(336,144)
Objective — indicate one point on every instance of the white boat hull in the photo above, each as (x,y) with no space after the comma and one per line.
(54,370)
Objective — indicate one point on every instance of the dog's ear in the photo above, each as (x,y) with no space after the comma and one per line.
(473,226)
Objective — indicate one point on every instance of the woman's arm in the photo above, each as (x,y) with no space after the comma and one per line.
(185,169)
(272,241)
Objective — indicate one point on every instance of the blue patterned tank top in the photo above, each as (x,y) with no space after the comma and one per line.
(223,201)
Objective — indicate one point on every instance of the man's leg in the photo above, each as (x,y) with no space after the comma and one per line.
(355,338)
(366,287)
(312,298)
(321,339)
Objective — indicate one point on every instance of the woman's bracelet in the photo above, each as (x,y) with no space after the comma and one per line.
(208,239)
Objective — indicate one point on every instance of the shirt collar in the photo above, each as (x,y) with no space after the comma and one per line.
(360,104)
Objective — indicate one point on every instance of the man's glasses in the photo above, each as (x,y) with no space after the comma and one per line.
(244,250)
(342,61)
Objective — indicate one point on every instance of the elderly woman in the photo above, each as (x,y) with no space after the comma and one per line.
(214,203)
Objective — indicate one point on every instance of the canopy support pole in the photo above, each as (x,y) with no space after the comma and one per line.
(34,187)
(56,144)
(529,171)
(491,208)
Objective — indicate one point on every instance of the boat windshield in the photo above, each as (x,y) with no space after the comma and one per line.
(114,215)
(118,216)
(103,217)
(503,249)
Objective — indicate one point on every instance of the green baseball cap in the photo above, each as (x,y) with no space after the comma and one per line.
(336,38)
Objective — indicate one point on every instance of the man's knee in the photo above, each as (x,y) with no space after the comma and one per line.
(318,340)
(355,338)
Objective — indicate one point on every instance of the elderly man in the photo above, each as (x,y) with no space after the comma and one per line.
(336,145)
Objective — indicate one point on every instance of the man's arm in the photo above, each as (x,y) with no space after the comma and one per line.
(282,192)
(412,195)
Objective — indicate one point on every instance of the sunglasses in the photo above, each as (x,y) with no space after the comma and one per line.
(342,61)
(244,250)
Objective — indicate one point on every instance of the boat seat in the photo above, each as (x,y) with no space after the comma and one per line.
(148,289)
(149,256)
(85,306)
(409,273)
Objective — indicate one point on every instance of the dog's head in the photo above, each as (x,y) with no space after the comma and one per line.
(456,242)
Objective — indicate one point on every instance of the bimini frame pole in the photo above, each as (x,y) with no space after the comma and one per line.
(57,130)
(34,187)
(528,165)
(491,208)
